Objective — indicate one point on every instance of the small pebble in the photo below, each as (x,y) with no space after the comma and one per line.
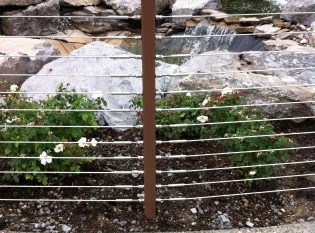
(193,210)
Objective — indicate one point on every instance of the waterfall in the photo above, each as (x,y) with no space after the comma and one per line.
(222,39)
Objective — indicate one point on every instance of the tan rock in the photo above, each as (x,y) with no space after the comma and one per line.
(242,29)
(231,20)
(253,21)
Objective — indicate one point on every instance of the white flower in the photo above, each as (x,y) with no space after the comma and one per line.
(226,91)
(94,142)
(97,94)
(14,88)
(206,101)
(44,158)
(83,142)
(8,121)
(252,173)
(59,148)
(202,119)
(188,94)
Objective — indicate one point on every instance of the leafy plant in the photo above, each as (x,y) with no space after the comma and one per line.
(239,135)
(62,111)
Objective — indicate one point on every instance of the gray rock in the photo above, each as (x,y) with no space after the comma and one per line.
(250,224)
(133,7)
(80,2)
(217,65)
(223,219)
(312,35)
(35,55)
(66,228)
(249,21)
(300,6)
(19,2)
(267,30)
(32,26)
(91,25)
(94,74)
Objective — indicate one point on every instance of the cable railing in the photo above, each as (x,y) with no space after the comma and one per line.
(150,157)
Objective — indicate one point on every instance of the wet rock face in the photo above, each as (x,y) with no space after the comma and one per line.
(32,26)
(300,6)
(19,2)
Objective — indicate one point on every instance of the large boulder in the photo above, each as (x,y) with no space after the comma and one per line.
(19,2)
(300,6)
(23,56)
(85,75)
(225,72)
(80,2)
(133,7)
(32,26)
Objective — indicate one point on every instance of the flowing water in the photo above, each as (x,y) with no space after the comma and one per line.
(222,39)
(218,39)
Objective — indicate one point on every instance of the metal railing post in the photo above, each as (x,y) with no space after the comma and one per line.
(149,92)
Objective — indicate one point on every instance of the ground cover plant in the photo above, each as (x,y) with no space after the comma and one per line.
(47,153)
(210,115)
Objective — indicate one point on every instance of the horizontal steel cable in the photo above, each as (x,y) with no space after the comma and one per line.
(76,37)
(61,142)
(71,56)
(78,158)
(229,15)
(160,92)
(76,186)
(158,109)
(233,168)
(162,75)
(233,89)
(233,194)
(66,110)
(170,156)
(234,106)
(162,37)
(79,75)
(68,200)
(74,126)
(230,35)
(160,56)
(210,54)
(67,172)
(231,181)
(162,142)
(67,93)
(158,126)
(235,71)
(232,138)
(110,17)
(235,122)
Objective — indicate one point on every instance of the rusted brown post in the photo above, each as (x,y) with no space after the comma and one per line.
(149,92)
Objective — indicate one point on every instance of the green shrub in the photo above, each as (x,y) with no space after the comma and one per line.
(225,114)
(46,153)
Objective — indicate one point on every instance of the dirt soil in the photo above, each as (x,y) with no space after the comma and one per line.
(215,213)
